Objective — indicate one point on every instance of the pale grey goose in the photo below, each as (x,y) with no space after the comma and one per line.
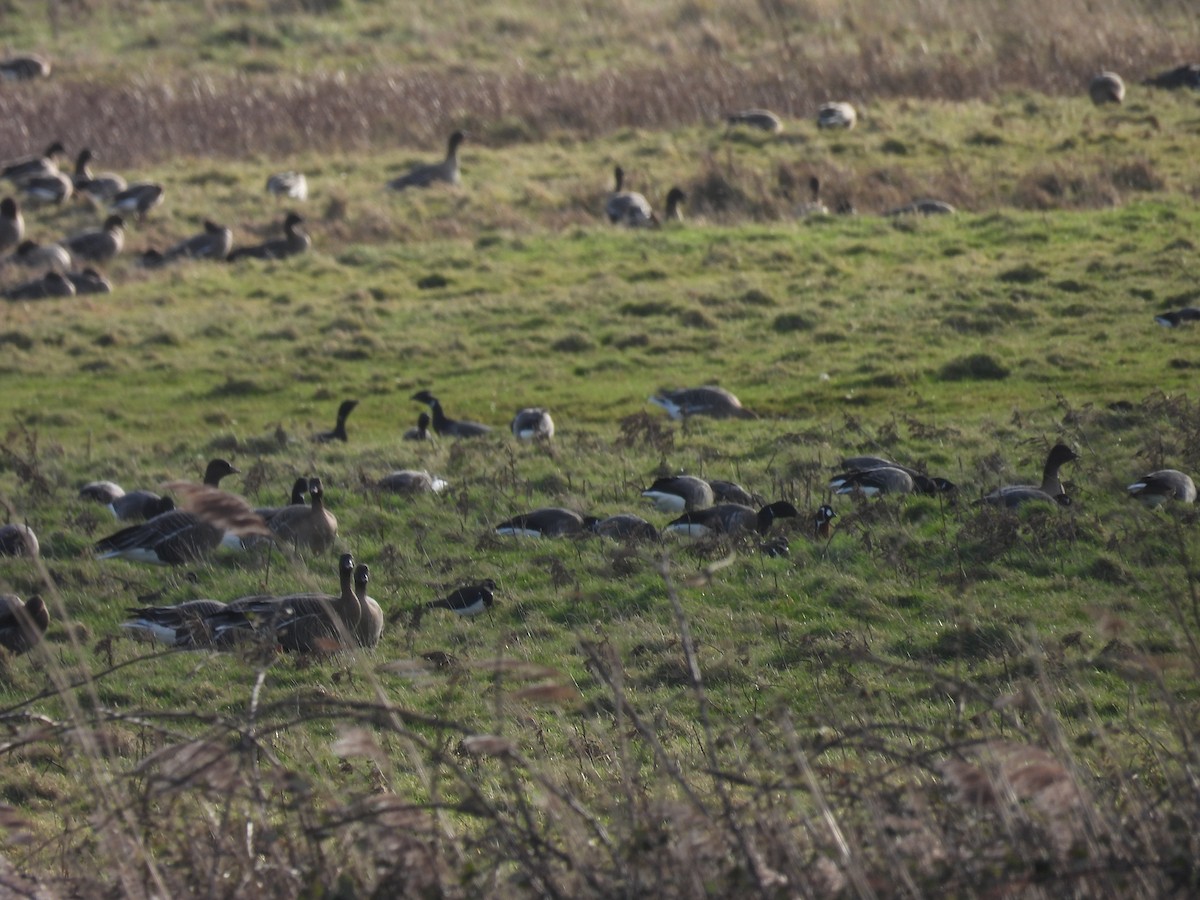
(445,171)
(549,521)
(412,481)
(33,166)
(369,629)
(533,423)
(1106,87)
(836,115)
(33,255)
(707,400)
(312,527)
(53,187)
(17,539)
(214,242)
(89,281)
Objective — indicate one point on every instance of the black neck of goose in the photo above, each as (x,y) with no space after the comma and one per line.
(440,422)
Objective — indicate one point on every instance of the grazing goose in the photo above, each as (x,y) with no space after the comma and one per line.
(131,506)
(879,480)
(294,241)
(823,522)
(1106,87)
(12,225)
(313,527)
(183,625)
(18,540)
(34,166)
(369,628)
(22,624)
(1050,490)
(762,119)
(533,423)
(445,426)
(676,493)
(1156,488)
(549,521)
(99,246)
(53,187)
(140,197)
(924,207)
(423,176)
(627,207)
(730,518)
(292,185)
(42,256)
(467,601)
(89,281)
(1177,317)
(339,430)
(52,284)
(732,492)
(625,527)
(420,431)
(836,115)
(814,206)
(701,401)
(103,188)
(412,481)
(214,242)
(24,68)
(675,199)
(1184,76)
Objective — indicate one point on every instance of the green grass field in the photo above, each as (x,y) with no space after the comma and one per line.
(943,699)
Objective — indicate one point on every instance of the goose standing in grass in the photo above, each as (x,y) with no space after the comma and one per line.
(102,188)
(182,625)
(1106,87)
(33,166)
(1156,488)
(312,527)
(98,246)
(625,527)
(52,284)
(420,431)
(676,493)
(53,187)
(836,115)
(814,206)
(1050,490)
(24,68)
(445,426)
(339,430)
(533,423)
(627,207)
(468,601)
(730,518)
(925,207)
(12,225)
(294,241)
(701,401)
(290,185)
(89,281)
(445,171)
(214,242)
(17,539)
(22,624)
(549,521)
(412,481)
(137,199)
(369,628)
(762,119)
(1175,318)
(33,255)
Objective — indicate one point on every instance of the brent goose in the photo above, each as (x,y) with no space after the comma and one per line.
(140,197)
(52,284)
(369,628)
(836,115)
(533,423)
(184,625)
(98,246)
(313,527)
(762,119)
(1177,317)
(420,431)
(412,481)
(549,521)
(24,68)
(22,624)
(135,506)
(89,281)
(1106,87)
(814,206)
(53,187)
(18,540)
(676,493)
(42,256)
(294,241)
(467,601)
(12,225)
(730,518)
(214,242)
(627,207)
(34,166)
(103,188)
(445,426)
(339,430)
(625,527)
(424,175)
(1156,488)
(292,185)
(708,400)
(1050,490)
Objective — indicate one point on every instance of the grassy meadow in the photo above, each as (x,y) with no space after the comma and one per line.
(942,700)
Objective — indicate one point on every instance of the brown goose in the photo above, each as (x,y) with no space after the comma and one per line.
(18,540)
(923,207)
(1050,490)
(814,206)
(1106,87)
(370,622)
(294,241)
(311,527)
(292,185)
(412,481)
(701,401)
(22,624)
(445,171)
(52,284)
(103,188)
(12,225)
(53,187)
(549,521)
(99,246)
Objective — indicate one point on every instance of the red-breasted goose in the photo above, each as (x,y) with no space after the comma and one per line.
(707,400)
(676,493)
(445,171)
(1156,488)
(823,522)
(99,246)
(533,423)
(310,527)
(294,242)
(1050,490)
(412,481)
(446,426)
(24,68)
(369,629)
(290,185)
(730,518)
(627,207)
(420,431)
(139,198)
(1106,87)
(33,166)
(762,119)
(52,284)
(549,521)
(339,430)
(102,188)
(22,624)
(468,601)
(12,225)
(836,115)
(17,539)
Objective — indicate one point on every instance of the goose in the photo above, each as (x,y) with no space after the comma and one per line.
(22,624)
(292,185)
(730,518)
(625,527)
(24,68)
(431,173)
(676,493)
(135,506)
(12,225)
(99,246)
(675,199)
(299,492)
(708,400)
(53,187)
(468,601)
(412,481)
(33,166)
(369,628)
(878,480)
(549,521)
(42,256)
(182,536)
(313,527)
(294,241)
(1106,87)
(183,625)
(533,423)
(823,522)
(1050,490)
(339,430)
(1156,488)
(814,207)
(836,115)
(420,431)
(89,281)
(214,242)
(925,207)
(52,284)
(732,492)
(139,197)
(18,540)
(762,119)
(445,426)
(1177,317)
(103,188)
(1184,76)
(627,207)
